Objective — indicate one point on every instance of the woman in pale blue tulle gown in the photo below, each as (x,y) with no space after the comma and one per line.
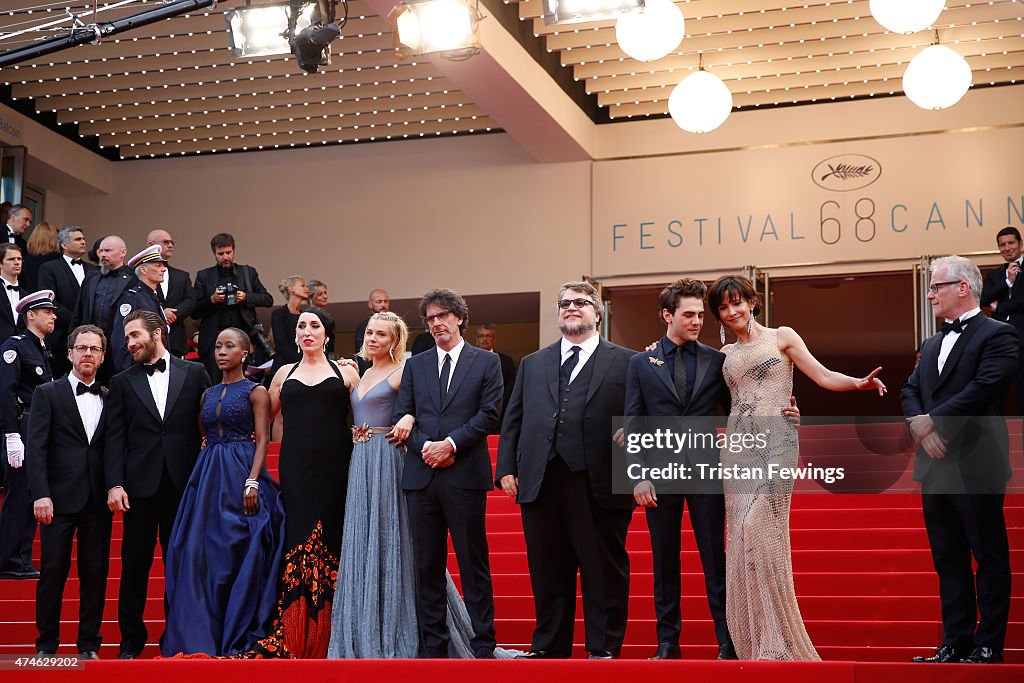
(375,600)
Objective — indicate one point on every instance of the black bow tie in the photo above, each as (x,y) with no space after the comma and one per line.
(13,288)
(158,366)
(76,261)
(955,326)
(93,388)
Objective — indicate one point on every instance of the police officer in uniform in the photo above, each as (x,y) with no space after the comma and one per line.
(24,365)
(150,268)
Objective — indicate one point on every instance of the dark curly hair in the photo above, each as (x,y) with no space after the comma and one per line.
(686,287)
(448,300)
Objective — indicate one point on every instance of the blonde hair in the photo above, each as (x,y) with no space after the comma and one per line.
(43,240)
(399,335)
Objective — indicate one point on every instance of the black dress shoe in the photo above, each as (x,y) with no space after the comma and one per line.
(983,655)
(43,654)
(89,654)
(945,654)
(600,654)
(23,573)
(668,651)
(535,654)
(128,655)
(726,651)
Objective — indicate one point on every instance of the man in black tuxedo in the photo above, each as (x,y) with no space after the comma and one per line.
(685,379)
(226,295)
(1002,294)
(953,402)
(64,276)
(176,294)
(19,220)
(64,456)
(151,447)
(10,271)
(454,394)
(486,336)
(555,457)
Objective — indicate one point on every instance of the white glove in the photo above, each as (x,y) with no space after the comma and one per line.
(15,450)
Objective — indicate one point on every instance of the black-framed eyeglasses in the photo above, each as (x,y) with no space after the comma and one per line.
(936,286)
(578,303)
(431,319)
(95,350)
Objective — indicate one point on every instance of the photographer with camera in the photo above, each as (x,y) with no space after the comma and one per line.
(226,296)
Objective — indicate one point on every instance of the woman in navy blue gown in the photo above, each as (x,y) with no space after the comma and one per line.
(224,556)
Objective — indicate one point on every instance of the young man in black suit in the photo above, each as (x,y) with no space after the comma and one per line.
(555,458)
(953,402)
(65,467)
(64,276)
(454,394)
(151,447)
(176,294)
(10,270)
(226,295)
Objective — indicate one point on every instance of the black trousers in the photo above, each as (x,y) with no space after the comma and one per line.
(436,511)
(961,526)
(17,519)
(92,525)
(568,532)
(148,519)
(707,516)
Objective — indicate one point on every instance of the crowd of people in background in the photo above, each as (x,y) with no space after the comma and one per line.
(385,458)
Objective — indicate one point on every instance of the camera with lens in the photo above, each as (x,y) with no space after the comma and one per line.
(263,351)
(229,291)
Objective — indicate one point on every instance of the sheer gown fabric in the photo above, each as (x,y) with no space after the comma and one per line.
(223,565)
(761,606)
(375,601)
(315,453)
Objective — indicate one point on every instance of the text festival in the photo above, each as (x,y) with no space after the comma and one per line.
(828,227)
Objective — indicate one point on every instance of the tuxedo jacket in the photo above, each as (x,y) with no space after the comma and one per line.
(651,391)
(180,296)
(209,313)
(139,443)
(56,275)
(62,463)
(1010,301)
(85,312)
(532,417)
(966,403)
(469,413)
(9,324)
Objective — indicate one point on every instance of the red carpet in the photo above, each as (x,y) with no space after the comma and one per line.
(864,578)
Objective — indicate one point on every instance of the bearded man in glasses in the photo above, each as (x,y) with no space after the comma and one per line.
(555,459)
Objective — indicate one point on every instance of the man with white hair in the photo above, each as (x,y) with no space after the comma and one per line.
(953,403)
(65,276)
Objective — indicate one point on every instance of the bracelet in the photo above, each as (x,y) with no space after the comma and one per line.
(251,484)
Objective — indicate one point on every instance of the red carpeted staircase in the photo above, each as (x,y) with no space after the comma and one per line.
(864,577)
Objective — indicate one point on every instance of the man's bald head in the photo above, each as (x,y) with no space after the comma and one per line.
(111,253)
(164,239)
(379,301)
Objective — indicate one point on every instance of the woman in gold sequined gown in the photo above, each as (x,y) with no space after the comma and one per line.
(761,606)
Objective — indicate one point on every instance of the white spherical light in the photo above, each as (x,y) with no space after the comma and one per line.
(936,78)
(654,33)
(700,103)
(906,16)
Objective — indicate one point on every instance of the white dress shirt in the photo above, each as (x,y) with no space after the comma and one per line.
(158,383)
(949,340)
(77,269)
(1019,263)
(454,353)
(13,296)
(587,349)
(90,406)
